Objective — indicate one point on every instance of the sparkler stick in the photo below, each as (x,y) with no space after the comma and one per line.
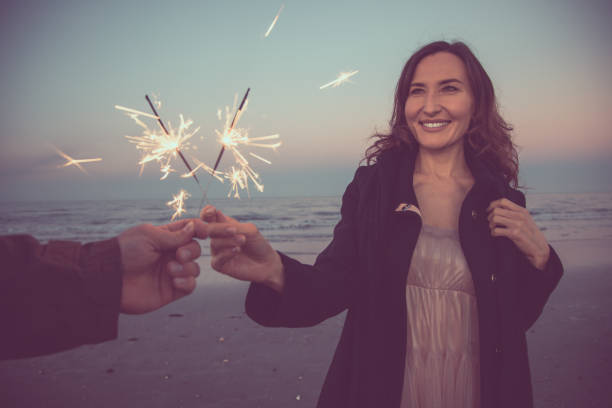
(229,131)
(161,123)
(343,77)
(231,128)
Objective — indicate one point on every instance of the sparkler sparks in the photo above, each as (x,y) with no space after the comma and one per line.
(274,22)
(161,123)
(178,204)
(199,165)
(232,139)
(343,77)
(75,162)
(160,146)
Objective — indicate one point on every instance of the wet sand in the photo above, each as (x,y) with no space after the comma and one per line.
(202,351)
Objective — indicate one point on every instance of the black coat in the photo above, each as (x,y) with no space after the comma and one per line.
(364,270)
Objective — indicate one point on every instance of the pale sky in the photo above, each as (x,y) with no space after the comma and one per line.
(65,64)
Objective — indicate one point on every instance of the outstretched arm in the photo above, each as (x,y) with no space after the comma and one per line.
(285,292)
(63,294)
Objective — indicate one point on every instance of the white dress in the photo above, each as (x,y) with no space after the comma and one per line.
(442,356)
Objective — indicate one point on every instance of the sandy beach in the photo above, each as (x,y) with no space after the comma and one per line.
(203,351)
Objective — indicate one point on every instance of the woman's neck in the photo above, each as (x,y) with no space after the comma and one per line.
(442,164)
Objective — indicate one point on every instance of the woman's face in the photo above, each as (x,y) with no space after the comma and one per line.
(440,102)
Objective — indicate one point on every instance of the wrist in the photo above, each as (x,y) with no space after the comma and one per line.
(276,279)
(540,261)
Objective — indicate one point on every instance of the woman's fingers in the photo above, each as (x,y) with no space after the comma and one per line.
(228,230)
(211,214)
(219,244)
(505,204)
(219,260)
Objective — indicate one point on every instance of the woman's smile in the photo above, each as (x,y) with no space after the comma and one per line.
(434,125)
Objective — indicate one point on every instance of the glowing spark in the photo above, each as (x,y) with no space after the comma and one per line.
(135,112)
(160,145)
(161,123)
(343,77)
(237,115)
(234,139)
(75,162)
(239,179)
(166,170)
(199,165)
(274,22)
(177,204)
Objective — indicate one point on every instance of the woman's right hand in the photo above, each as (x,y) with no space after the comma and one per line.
(240,251)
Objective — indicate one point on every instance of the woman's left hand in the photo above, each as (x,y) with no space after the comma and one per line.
(507,219)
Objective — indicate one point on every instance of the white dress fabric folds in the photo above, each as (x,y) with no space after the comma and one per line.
(442,356)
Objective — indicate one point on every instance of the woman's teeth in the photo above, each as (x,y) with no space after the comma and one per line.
(432,125)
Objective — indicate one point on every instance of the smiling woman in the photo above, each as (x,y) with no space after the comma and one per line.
(462,85)
(439,264)
(440,105)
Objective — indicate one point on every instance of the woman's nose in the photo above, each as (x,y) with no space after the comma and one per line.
(431,104)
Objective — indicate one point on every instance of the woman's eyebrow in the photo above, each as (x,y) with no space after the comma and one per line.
(446,81)
(443,82)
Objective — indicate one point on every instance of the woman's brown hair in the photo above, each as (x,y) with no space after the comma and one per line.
(489,135)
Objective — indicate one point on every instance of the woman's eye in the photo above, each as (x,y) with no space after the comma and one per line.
(450,88)
(416,91)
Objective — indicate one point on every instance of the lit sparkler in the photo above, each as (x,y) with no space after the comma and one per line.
(178,204)
(274,22)
(343,77)
(232,139)
(75,162)
(168,134)
(161,146)
(229,129)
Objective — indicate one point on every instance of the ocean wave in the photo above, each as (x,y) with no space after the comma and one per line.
(280,219)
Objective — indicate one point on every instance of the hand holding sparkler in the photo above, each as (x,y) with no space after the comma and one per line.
(159,264)
(240,251)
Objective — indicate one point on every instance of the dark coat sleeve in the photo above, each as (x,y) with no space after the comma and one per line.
(536,285)
(313,293)
(57,296)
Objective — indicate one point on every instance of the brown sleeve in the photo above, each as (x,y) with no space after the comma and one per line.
(57,296)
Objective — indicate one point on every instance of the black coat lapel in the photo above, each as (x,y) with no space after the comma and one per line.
(400,218)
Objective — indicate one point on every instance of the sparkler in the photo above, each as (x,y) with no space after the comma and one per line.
(232,139)
(160,146)
(228,131)
(343,77)
(161,123)
(75,162)
(177,203)
(274,22)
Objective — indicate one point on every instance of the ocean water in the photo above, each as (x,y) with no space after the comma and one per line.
(281,220)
